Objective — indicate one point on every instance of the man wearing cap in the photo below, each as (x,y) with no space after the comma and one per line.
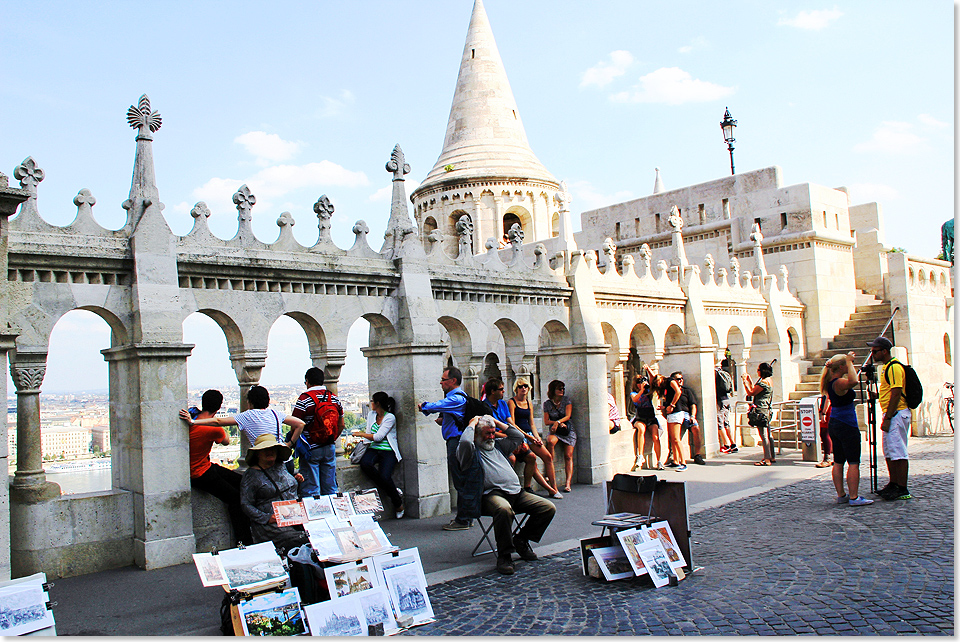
(896,418)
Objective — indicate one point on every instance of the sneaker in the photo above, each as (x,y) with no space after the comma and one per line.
(698,459)
(860,501)
(635,467)
(670,464)
(660,467)
(724,449)
(556,496)
(523,549)
(505,565)
(886,489)
(734,449)
(681,468)
(890,493)
(843,500)
(454,525)
(901,493)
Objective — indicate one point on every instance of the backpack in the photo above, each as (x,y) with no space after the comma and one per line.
(324,427)
(473,408)
(912,388)
(724,384)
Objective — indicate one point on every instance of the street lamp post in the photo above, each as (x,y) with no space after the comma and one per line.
(728,124)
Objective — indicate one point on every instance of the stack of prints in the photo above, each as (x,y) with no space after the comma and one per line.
(646,550)
(23,607)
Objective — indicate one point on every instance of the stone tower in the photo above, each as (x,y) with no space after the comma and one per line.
(486,169)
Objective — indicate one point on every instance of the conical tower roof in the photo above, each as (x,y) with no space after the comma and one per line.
(485,136)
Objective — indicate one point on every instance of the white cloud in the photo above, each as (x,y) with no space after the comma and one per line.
(927,119)
(587,197)
(673,86)
(871,192)
(604,72)
(812,20)
(696,44)
(382,194)
(332,107)
(268,148)
(272,183)
(894,138)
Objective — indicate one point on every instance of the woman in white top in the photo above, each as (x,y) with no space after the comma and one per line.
(383,453)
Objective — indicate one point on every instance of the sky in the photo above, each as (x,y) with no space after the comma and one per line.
(301,99)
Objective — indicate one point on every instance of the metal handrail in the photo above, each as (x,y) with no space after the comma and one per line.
(777,423)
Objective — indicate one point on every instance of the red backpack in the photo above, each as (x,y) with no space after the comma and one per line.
(324,427)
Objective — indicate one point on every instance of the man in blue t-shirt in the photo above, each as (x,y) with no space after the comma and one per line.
(451,411)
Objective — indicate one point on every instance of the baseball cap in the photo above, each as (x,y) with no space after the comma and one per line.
(881,342)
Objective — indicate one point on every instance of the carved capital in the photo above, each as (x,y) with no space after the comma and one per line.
(27,378)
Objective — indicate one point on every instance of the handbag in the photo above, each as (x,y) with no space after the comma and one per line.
(756,418)
(358,452)
(562,431)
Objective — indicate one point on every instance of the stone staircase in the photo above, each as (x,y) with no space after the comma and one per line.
(863,326)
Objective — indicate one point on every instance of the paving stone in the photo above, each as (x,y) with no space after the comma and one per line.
(803,566)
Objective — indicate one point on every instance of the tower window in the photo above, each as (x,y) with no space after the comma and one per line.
(473,53)
(783,220)
(701,214)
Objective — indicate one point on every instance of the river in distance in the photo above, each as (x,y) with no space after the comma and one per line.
(87,481)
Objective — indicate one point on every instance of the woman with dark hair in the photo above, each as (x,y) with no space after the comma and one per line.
(557,410)
(383,453)
(521,416)
(762,394)
(645,388)
(267,481)
(493,396)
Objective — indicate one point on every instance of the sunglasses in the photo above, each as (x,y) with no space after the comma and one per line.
(522,385)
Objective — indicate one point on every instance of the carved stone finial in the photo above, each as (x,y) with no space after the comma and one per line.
(397,165)
(361,228)
(735,269)
(491,244)
(645,253)
(28,174)
(722,274)
(756,235)
(784,278)
(324,209)
(465,235)
(4,181)
(200,209)
(675,220)
(84,197)
(662,267)
(142,119)
(285,220)
(562,197)
(609,247)
(244,200)
(709,264)
(515,235)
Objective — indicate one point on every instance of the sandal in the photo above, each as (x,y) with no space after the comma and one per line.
(824,464)
(763,462)
(567,490)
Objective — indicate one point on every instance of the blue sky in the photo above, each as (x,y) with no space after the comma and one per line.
(299,99)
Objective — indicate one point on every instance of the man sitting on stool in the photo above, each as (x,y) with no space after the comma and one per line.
(502,493)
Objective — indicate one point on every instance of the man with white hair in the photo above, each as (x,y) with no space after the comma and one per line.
(503,496)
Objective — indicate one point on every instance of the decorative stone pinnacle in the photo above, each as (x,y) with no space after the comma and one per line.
(465,226)
(285,220)
(84,197)
(4,181)
(756,236)
(675,220)
(244,200)
(515,235)
(361,227)
(28,174)
(324,209)
(142,119)
(200,209)
(562,197)
(397,165)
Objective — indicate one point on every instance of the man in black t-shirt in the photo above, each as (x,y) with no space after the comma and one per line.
(687,402)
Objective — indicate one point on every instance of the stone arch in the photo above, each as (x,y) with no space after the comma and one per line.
(554,334)
(714,337)
(947,353)
(518,214)
(452,221)
(674,336)
(316,340)
(491,367)
(758,336)
(643,341)
(922,279)
(793,339)
(611,339)
(555,225)
(230,328)
(118,331)
(461,347)
(382,331)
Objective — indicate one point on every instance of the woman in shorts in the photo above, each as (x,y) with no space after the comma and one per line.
(837,381)
(645,419)
(521,416)
(557,410)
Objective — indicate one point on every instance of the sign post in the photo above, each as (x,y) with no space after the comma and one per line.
(809,429)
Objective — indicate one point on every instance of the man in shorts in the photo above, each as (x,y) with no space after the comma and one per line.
(896,418)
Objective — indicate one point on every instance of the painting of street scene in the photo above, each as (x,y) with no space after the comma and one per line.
(273,614)
(377,609)
(350,578)
(252,566)
(367,502)
(23,609)
(337,618)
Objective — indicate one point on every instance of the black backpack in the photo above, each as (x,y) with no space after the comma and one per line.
(473,408)
(912,388)
(724,384)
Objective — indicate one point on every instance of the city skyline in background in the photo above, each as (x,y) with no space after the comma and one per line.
(301,99)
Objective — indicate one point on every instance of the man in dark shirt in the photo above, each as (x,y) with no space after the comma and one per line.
(687,402)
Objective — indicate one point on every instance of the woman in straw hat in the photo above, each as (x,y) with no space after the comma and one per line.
(267,481)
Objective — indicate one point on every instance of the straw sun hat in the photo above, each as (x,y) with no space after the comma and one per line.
(267,441)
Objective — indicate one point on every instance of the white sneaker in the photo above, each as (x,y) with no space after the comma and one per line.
(860,501)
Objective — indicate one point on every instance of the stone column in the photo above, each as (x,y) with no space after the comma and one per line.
(747,437)
(30,484)
(497,217)
(473,378)
(410,373)
(153,449)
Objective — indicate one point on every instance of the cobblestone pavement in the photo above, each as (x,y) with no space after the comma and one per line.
(788,561)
